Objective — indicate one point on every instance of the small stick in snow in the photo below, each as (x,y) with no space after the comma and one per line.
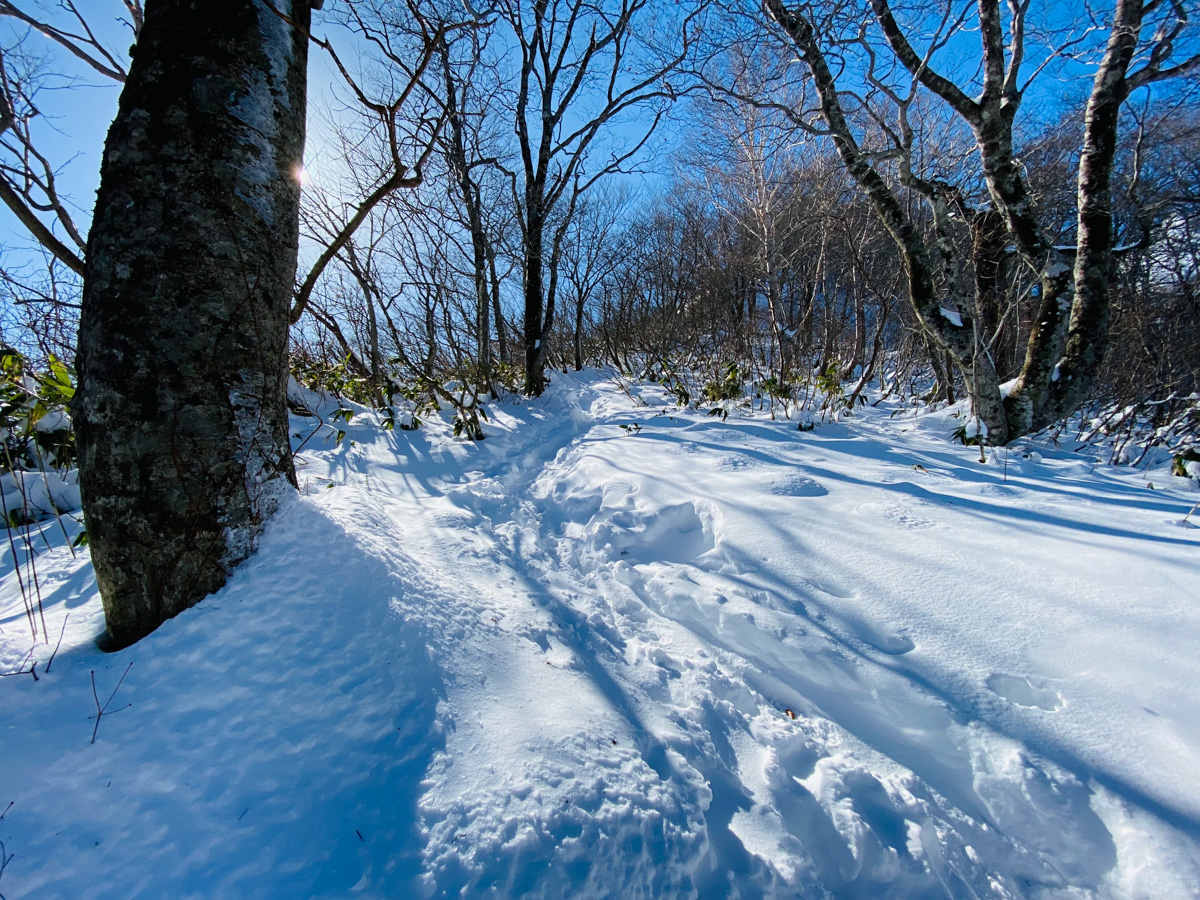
(102,711)
(1184,521)
(61,632)
(21,670)
(5,857)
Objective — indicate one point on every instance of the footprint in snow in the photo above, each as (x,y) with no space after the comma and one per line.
(998,490)
(1018,690)
(735,464)
(894,514)
(798,486)
(888,640)
(906,518)
(832,588)
(892,643)
(671,534)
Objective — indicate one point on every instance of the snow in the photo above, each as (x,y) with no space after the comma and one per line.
(38,494)
(54,420)
(699,659)
(953,316)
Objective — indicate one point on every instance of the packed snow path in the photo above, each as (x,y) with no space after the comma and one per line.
(624,650)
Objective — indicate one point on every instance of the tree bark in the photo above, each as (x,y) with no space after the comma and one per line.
(181,411)
(535,327)
(497,312)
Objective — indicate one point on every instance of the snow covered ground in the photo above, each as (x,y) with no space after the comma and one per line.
(688,659)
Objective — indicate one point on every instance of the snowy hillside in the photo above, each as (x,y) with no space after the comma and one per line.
(623,650)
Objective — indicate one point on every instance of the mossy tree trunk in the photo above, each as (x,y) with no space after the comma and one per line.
(181,411)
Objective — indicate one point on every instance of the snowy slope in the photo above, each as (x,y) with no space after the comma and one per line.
(699,659)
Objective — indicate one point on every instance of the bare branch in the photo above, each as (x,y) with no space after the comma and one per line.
(83,46)
(919,68)
(38,229)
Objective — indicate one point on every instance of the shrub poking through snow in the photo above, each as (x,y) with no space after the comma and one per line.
(338,379)
(971,434)
(727,386)
(37,476)
(33,413)
(1186,464)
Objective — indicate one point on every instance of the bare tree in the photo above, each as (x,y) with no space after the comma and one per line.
(45,51)
(1069,332)
(592,248)
(582,69)
(473,159)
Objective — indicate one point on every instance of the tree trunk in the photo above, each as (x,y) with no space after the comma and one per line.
(460,168)
(989,239)
(181,412)
(579,301)
(497,312)
(378,393)
(535,347)
(943,370)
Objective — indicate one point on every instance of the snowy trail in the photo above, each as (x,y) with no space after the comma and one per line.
(683,659)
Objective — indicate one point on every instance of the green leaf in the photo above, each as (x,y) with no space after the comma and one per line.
(61,373)
(81,539)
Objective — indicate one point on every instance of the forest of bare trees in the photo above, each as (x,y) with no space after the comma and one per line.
(804,207)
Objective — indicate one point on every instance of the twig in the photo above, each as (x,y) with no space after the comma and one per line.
(32,670)
(1184,521)
(54,506)
(5,858)
(625,390)
(321,423)
(61,632)
(102,711)
(12,543)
